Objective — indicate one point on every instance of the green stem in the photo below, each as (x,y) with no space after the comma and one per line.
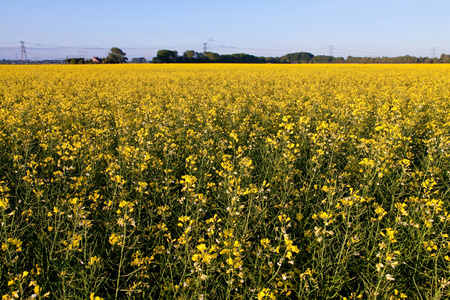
(121,259)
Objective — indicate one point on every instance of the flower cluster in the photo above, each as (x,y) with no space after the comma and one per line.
(225,181)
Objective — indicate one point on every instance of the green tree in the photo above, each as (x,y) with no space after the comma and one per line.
(211,56)
(116,56)
(75,60)
(297,57)
(166,56)
(322,59)
(190,56)
(445,58)
(139,60)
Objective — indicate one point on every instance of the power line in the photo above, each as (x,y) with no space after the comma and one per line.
(363,52)
(82,53)
(45,50)
(269,50)
(104,48)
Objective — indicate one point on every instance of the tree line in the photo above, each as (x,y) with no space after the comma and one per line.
(191,56)
(116,55)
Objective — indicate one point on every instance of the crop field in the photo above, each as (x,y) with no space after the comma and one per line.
(225,182)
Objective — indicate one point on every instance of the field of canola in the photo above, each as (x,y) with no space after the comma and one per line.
(225,182)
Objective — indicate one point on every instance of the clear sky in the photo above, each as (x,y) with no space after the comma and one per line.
(57,29)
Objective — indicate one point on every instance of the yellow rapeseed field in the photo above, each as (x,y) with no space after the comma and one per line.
(225,181)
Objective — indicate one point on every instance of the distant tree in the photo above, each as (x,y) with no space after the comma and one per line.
(297,57)
(139,60)
(166,56)
(271,60)
(322,59)
(212,57)
(407,59)
(238,58)
(75,60)
(445,58)
(261,59)
(190,56)
(116,56)
(428,60)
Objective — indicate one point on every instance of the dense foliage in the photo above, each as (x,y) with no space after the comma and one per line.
(225,181)
(190,56)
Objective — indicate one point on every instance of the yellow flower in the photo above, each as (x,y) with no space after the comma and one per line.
(265,242)
(266,293)
(289,255)
(115,239)
(229,261)
(3,203)
(201,247)
(188,179)
(37,289)
(184,219)
(93,297)
(283,218)
(93,260)
(225,252)
(195,257)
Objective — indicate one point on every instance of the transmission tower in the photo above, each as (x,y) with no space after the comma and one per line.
(331,50)
(24,52)
(204,47)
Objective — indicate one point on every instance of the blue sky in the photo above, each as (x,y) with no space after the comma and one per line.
(58,29)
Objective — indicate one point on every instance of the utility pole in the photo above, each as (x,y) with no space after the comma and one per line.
(24,52)
(204,47)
